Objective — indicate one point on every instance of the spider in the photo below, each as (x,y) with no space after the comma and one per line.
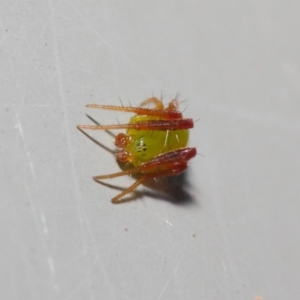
(155,143)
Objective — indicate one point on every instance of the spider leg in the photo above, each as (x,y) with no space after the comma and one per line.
(117,199)
(170,160)
(179,155)
(168,114)
(146,168)
(118,174)
(171,172)
(147,125)
(167,164)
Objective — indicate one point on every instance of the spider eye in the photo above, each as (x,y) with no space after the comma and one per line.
(141,146)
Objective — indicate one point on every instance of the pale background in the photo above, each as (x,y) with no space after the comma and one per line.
(235,231)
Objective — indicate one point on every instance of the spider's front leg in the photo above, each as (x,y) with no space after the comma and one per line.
(170,113)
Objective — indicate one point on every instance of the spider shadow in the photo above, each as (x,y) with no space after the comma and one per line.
(175,189)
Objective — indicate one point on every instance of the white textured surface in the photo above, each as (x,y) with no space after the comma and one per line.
(237,63)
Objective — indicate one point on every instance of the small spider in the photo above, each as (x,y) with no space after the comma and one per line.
(155,142)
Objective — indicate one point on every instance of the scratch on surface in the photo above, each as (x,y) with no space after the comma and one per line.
(80,211)
(45,227)
(180,259)
(20,128)
(52,271)
(224,268)
(178,264)
(45,231)
(231,267)
(51,265)
(167,221)
(164,289)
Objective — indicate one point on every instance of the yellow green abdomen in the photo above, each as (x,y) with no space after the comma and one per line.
(144,145)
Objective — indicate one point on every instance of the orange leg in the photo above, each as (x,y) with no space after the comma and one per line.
(170,172)
(146,168)
(167,164)
(147,125)
(117,199)
(165,113)
(168,160)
